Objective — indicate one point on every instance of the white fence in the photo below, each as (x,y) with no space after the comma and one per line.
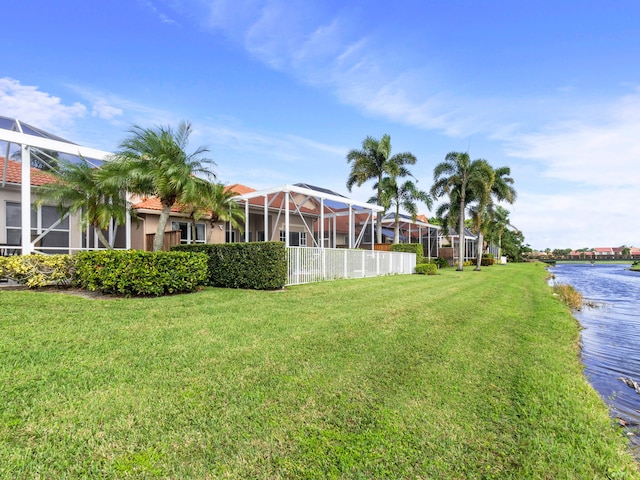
(307,265)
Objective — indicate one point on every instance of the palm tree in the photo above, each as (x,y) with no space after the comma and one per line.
(499,224)
(501,191)
(78,188)
(481,214)
(463,181)
(213,199)
(153,161)
(372,162)
(404,195)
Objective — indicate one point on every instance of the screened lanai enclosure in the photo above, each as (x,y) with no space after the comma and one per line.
(327,235)
(27,156)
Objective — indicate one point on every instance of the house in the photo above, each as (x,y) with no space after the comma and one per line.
(577,255)
(603,251)
(25,228)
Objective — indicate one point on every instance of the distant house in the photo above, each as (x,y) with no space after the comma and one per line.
(603,251)
(578,255)
(449,245)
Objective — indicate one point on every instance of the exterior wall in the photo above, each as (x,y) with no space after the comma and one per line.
(11,194)
(148,224)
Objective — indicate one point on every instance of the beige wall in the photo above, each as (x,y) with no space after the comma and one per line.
(11,193)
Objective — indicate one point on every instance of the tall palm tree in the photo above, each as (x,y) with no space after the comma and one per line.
(499,224)
(78,188)
(500,190)
(374,161)
(404,195)
(462,180)
(481,214)
(213,199)
(154,161)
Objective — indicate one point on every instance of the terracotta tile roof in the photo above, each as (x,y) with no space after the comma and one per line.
(14,174)
(239,189)
(153,203)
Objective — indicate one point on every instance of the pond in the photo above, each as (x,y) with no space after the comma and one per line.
(610,335)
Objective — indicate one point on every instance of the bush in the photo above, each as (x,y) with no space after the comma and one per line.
(134,272)
(426,269)
(442,262)
(487,259)
(409,248)
(38,270)
(255,265)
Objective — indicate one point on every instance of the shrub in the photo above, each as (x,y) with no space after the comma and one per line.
(439,262)
(442,262)
(427,269)
(409,248)
(487,259)
(255,265)
(569,295)
(134,272)
(38,270)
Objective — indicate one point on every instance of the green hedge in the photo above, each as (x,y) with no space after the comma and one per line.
(254,265)
(134,272)
(409,248)
(426,269)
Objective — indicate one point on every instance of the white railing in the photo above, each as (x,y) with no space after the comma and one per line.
(307,265)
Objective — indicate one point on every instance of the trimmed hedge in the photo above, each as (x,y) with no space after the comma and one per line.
(486,261)
(38,270)
(409,248)
(134,272)
(253,265)
(440,262)
(427,269)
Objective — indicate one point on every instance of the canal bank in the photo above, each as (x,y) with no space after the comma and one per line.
(610,336)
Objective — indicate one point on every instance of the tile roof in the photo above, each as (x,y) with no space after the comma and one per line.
(239,188)
(153,203)
(14,174)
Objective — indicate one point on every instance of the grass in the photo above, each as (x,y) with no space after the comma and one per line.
(460,375)
(569,295)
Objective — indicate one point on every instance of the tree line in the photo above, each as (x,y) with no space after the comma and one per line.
(467,186)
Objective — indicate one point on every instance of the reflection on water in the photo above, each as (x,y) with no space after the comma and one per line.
(611,335)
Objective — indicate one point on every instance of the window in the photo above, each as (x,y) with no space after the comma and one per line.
(43,218)
(230,236)
(186,231)
(261,236)
(297,239)
(283,236)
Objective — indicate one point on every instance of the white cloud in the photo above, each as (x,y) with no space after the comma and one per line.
(41,109)
(599,147)
(103,110)
(322,49)
(163,17)
(576,219)
(121,111)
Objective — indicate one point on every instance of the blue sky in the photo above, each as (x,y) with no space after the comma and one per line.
(281,90)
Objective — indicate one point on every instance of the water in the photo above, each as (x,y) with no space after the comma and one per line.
(610,335)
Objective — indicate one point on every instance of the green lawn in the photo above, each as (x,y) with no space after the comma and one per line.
(460,375)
